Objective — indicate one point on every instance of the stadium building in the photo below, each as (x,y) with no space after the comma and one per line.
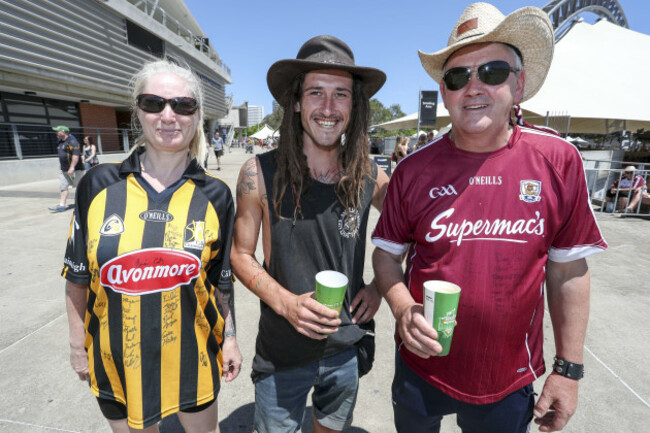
(69,62)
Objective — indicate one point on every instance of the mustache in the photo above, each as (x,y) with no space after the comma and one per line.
(322,116)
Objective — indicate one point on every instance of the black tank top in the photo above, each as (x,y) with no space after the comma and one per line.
(321,239)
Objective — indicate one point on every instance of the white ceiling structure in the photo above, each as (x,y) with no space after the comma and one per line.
(442,119)
(597,78)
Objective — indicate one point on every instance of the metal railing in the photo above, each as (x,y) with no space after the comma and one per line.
(230,136)
(21,141)
(600,179)
(229,101)
(155,11)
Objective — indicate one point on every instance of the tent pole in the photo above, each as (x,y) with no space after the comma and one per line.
(419,109)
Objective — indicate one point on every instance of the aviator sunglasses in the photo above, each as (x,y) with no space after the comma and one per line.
(492,73)
(156,104)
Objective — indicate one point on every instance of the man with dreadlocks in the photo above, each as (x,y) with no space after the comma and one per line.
(312,197)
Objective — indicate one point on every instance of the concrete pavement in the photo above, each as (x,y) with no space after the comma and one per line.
(40,393)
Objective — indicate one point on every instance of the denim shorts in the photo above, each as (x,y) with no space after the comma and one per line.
(281,397)
(419,407)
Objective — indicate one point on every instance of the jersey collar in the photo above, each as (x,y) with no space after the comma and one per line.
(132,165)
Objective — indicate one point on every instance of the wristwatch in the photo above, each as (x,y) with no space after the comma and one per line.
(568,369)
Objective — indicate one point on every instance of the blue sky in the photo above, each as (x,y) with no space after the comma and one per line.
(386,34)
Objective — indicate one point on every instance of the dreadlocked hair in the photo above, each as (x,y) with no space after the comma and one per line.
(293,171)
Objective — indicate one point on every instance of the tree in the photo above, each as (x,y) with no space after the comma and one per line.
(274,119)
(396,111)
(253,129)
(380,114)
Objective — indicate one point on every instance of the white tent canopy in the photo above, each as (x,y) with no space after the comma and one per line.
(264,133)
(597,78)
(442,120)
(411,121)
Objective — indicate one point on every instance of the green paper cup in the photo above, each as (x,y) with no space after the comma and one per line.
(440,307)
(330,289)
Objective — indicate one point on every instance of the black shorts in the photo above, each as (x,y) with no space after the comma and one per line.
(419,407)
(621,194)
(218,153)
(115,410)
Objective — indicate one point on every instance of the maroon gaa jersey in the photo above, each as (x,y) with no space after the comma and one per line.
(488,222)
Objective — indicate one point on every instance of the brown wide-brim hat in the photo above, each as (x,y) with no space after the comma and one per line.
(321,52)
(528,29)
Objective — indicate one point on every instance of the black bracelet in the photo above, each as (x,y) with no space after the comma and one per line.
(568,369)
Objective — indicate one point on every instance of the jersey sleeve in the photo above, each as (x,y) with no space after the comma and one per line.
(75,261)
(219,271)
(74,146)
(639,182)
(579,236)
(392,233)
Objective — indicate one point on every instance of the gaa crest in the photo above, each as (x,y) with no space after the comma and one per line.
(530,190)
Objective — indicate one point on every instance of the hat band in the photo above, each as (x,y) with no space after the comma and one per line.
(469,37)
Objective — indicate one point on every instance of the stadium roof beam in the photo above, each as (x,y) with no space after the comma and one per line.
(563,13)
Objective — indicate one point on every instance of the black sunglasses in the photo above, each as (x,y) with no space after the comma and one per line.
(492,73)
(156,104)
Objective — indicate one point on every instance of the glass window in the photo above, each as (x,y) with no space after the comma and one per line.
(34,117)
(146,41)
(17,118)
(26,108)
(61,113)
(62,109)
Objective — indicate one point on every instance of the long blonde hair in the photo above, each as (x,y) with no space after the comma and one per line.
(198,144)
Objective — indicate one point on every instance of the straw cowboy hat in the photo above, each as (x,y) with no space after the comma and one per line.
(528,29)
(321,52)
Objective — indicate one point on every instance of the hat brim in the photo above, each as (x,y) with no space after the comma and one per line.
(528,29)
(282,73)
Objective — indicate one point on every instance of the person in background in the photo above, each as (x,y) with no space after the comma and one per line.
(217,145)
(628,187)
(502,211)
(422,140)
(311,197)
(249,145)
(645,196)
(89,153)
(72,167)
(149,293)
(401,148)
(224,137)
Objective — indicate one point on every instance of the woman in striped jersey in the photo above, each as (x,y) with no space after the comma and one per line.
(149,287)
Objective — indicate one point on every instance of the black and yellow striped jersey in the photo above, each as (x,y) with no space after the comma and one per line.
(151,261)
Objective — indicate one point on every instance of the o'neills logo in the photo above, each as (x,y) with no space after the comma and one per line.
(156,216)
(148,271)
(483,230)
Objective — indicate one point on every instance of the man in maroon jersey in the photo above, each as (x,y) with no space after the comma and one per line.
(501,210)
